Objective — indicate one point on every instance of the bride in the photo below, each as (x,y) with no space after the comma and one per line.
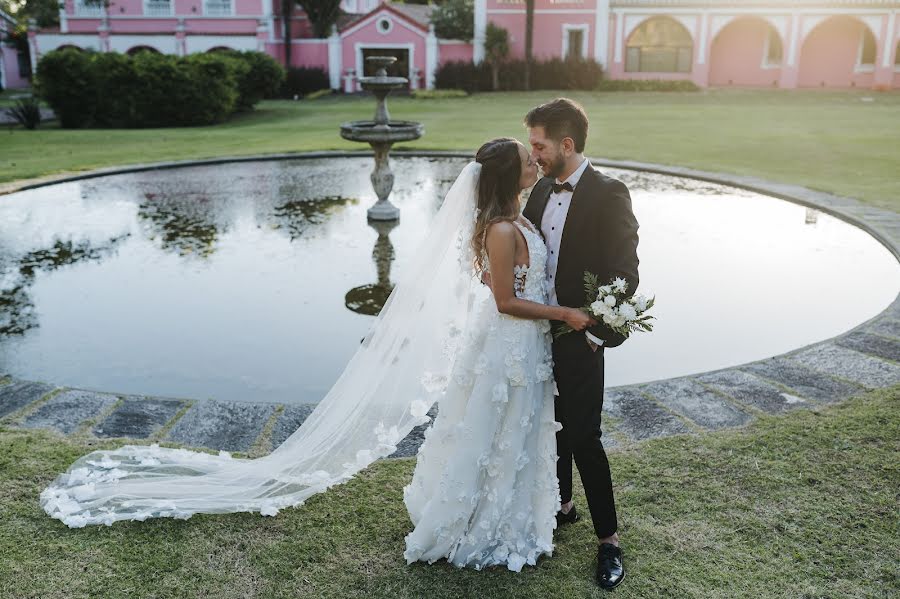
(484,490)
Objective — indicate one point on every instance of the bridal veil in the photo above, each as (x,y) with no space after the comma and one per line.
(398,372)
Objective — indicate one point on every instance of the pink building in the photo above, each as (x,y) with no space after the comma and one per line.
(765,43)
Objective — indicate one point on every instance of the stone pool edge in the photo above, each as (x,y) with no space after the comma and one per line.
(866,357)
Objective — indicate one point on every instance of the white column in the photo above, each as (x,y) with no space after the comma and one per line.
(703,22)
(269,17)
(480,30)
(431,57)
(795,39)
(334,59)
(620,34)
(601,34)
(889,46)
(63,17)
(33,45)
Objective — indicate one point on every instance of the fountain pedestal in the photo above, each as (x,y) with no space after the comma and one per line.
(381,133)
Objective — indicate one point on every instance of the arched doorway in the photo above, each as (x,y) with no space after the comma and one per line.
(839,52)
(746,52)
(138,49)
(659,45)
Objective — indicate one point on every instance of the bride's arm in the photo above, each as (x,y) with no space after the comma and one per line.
(501,249)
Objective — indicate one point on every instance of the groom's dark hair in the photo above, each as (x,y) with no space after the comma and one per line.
(561,118)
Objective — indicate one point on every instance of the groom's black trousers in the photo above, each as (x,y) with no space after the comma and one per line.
(579,377)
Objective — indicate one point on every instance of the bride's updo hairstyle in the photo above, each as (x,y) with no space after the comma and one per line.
(498,189)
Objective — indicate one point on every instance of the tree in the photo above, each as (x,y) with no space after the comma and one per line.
(45,12)
(287,11)
(454,20)
(529,41)
(496,50)
(323,14)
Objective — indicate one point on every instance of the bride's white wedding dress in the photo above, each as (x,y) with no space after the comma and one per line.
(485,491)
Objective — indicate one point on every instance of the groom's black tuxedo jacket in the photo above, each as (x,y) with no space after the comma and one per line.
(600,237)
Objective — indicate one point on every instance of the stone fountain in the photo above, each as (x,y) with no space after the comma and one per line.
(381,133)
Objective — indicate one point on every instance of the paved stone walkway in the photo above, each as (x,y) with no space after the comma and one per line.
(868,357)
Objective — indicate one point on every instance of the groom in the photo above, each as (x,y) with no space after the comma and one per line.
(587,223)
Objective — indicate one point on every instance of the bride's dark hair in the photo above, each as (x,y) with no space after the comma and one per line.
(498,189)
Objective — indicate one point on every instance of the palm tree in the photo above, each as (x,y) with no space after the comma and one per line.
(287,11)
(529,39)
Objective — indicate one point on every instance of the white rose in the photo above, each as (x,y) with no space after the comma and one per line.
(606,289)
(619,321)
(597,308)
(609,300)
(628,312)
(640,302)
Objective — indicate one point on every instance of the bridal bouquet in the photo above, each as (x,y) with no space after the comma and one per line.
(609,303)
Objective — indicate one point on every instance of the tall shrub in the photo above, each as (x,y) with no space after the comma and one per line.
(66,80)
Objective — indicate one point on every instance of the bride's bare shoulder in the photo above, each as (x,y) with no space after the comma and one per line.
(501,229)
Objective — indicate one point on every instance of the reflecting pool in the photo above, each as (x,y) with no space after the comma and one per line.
(256,281)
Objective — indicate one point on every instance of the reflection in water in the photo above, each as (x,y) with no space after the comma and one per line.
(370,299)
(186,225)
(17,313)
(298,217)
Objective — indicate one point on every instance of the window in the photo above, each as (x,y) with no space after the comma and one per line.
(660,45)
(82,9)
(867,50)
(217,8)
(157,8)
(385,25)
(774,49)
(575,47)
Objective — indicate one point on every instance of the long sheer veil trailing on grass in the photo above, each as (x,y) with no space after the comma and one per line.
(400,369)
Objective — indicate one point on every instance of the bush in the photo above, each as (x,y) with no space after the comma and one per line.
(554,73)
(437,94)
(647,85)
(153,90)
(118,89)
(27,112)
(67,81)
(258,76)
(300,81)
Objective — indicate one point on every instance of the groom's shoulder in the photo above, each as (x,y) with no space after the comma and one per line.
(606,183)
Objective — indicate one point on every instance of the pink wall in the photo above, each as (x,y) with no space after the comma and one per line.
(829,55)
(11,67)
(311,55)
(454,52)
(548,30)
(737,55)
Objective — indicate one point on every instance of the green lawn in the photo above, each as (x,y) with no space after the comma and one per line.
(795,506)
(843,142)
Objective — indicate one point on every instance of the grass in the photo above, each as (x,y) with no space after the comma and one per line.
(841,142)
(799,506)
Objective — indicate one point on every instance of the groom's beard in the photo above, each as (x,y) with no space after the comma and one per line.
(555,167)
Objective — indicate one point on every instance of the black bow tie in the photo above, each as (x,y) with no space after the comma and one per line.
(562,187)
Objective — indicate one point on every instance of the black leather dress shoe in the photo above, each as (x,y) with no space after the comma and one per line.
(610,571)
(568,518)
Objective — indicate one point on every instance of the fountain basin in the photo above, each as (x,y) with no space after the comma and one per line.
(372,132)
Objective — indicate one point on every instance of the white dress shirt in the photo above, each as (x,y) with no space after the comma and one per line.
(552,225)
